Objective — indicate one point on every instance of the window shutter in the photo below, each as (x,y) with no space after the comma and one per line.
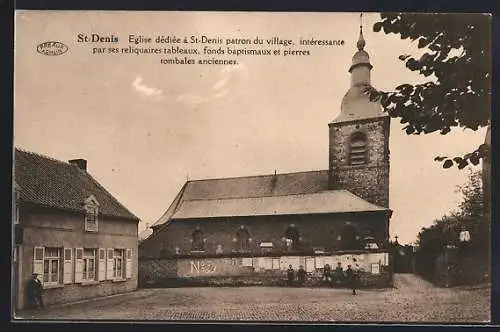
(128,267)
(78,265)
(109,264)
(68,266)
(102,265)
(38,261)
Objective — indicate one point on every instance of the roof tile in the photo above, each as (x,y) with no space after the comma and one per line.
(54,183)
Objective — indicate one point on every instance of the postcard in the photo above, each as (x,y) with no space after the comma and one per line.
(244,167)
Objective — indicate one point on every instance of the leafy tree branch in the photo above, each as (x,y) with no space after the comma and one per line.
(457,60)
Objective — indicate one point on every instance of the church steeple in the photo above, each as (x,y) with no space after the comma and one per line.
(359,136)
(356,104)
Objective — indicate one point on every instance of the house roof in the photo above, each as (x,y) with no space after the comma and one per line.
(53,183)
(332,201)
(245,191)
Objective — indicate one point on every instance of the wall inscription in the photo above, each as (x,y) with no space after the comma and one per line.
(202,267)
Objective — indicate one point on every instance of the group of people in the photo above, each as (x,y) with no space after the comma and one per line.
(336,277)
(340,277)
(301,275)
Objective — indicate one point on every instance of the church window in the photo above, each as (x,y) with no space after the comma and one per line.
(357,149)
(243,239)
(197,241)
(292,237)
(349,239)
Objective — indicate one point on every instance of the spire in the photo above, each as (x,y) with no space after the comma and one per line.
(356,103)
(361,57)
(361,40)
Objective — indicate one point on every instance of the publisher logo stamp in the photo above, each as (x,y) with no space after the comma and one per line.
(52,48)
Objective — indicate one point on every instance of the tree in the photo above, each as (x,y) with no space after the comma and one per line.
(469,215)
(457,60)
(472,205)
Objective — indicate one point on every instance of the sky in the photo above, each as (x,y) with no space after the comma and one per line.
(146,127)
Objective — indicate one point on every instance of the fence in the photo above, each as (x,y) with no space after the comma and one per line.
(454,266)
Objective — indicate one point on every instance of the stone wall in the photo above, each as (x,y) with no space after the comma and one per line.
(373,268)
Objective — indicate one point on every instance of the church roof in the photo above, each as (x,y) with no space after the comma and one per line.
(52,183)
(226,193)
(332,201)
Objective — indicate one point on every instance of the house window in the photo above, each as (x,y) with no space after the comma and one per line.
(91,220)
(118,258)
(89,264)
(16,213)
(91,214)
(197,241)
(357,149)
(51,265)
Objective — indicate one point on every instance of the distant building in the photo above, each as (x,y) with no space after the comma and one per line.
(144,234)
(332,210)
(71,231)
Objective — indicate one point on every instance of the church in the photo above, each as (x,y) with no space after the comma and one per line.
(339,210)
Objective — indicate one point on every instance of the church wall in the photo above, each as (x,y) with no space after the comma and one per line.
(373,269)
(369,181)
(316,231)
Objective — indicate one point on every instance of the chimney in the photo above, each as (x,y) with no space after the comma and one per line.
(81,163)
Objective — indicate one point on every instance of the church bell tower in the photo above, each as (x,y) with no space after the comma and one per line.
(359,137)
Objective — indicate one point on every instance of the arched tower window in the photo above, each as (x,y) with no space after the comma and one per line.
(357,149)
(243,239)
(197,243)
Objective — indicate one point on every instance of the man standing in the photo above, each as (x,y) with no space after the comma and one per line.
(327,274)
(301,275)
(35,289)
(339,274)
(290,275)
(351,278)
